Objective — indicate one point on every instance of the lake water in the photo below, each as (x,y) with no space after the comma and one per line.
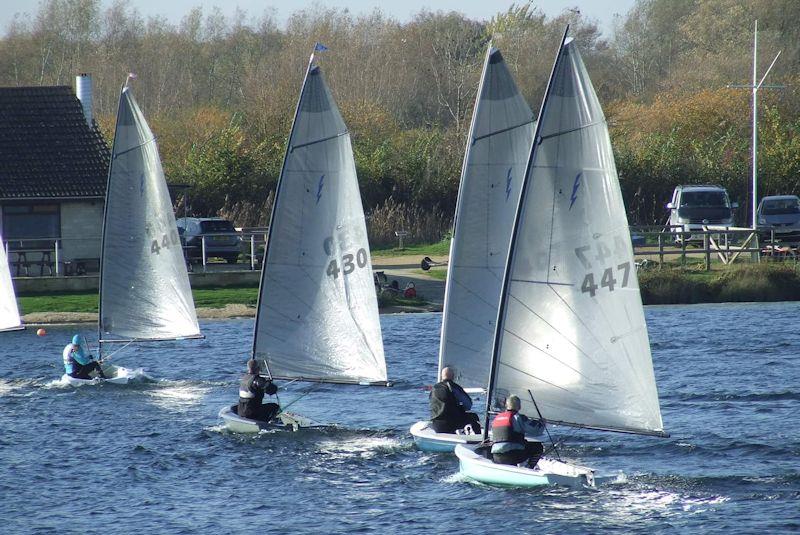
(152,457)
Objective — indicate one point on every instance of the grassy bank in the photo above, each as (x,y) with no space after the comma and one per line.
(89,302)
(441,248)
(746,282)
(203,298)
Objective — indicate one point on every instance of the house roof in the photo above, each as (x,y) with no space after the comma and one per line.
(47,151)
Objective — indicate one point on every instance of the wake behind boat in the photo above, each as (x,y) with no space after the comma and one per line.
(317,314)
(498,146)
(144,286)
(571,336)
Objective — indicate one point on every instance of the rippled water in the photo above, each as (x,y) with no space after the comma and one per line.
(152,457)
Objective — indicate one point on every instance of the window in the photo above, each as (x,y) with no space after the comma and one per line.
(30,221)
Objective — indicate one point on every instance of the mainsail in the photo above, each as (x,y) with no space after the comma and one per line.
(144,286)
(317,316)
(9,313)
(496,157)
(572,333)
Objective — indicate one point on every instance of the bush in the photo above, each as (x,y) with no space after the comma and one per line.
(423,225)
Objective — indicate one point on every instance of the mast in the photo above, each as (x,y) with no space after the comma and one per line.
(103,231)
(459,200)
(317,318)
(509,259)
(274,210)
(145,292)
(497,150)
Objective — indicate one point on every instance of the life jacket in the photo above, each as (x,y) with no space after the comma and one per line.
(248,391)
(69,360)
(503,428)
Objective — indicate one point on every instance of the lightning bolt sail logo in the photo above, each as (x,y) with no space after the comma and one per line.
(508,183)
(575,186)
(319,187)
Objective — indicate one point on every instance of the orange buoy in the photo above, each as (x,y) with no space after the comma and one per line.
(41,332)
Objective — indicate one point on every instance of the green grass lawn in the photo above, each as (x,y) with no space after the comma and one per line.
(88,301)
(59,302)
(219,297)
(203,297)
(441,248)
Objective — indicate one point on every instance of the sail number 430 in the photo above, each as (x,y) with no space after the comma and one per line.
(607,279)
(349,263)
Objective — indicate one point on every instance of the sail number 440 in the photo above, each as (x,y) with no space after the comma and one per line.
(166,241)
(607,279)
(349,264)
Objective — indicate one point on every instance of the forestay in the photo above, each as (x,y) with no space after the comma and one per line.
(144,286)
(9,313)
(317,313)
(497,153)
(572,325)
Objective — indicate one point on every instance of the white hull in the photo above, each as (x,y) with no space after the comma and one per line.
(72,381)
(429,440)
(116,375)
(286,421)
(547,471)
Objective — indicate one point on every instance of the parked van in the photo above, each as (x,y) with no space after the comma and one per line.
(693,206)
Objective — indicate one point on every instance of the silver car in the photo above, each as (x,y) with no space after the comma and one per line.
(779,215)
(695,206)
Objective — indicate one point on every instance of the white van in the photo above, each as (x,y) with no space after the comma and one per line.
(693,206)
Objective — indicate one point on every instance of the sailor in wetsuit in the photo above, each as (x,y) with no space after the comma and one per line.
(252,388)
(449,405)
(78,362)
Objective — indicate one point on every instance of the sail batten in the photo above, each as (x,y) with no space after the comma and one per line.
(144,287)
(496,155)
(317,316)
(571,326)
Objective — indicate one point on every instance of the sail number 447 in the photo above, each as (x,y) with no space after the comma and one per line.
(607,279)
(349,264)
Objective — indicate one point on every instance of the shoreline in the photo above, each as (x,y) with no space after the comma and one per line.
(230,311)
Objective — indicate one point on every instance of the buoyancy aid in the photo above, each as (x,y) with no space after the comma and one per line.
(503,428)
(69,361)
(249,389)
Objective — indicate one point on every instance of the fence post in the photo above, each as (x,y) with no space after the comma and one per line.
(56,247)
(707,250)
(683,249)
(203,251)
(252,252)
(660,249)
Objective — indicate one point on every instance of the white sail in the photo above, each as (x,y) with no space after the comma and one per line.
(317,313)
(572,328)
(144,286)
(496,157)
(9,313)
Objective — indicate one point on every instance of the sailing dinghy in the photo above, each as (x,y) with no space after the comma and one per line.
(496,156)
(9,312)
(317,315)
(571,339)
(144,286)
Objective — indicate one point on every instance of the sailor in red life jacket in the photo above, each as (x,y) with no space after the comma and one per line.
(508,434)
